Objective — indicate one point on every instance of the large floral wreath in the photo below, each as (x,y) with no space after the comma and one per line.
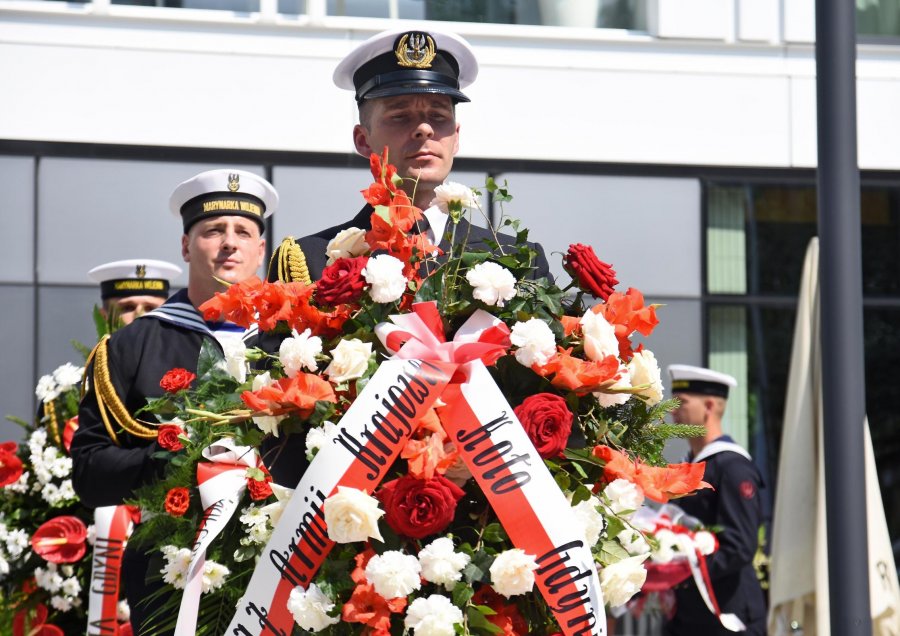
(478,441)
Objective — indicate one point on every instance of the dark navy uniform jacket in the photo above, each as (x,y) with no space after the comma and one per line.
(734,505)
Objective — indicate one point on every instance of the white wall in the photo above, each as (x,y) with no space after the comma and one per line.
(737,91)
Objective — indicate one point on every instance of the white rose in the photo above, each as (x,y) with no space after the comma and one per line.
(385,275)
(394,574)
(349,360)
(512,572)
(46,389)
(622,580)
(623,496)
(493,284)
(299,351)
(591,520)
(705,542)
(352,515)
(644,370)
(68,376)
(599,336)
(235,359)
(310,608)
(453,196)
(440,564)
(535,341)
(616,399)
(346,244)
(318,436)
(633,541)
(432,616)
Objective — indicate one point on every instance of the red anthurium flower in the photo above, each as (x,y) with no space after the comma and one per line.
(10,465)
(33,622)
(60,540)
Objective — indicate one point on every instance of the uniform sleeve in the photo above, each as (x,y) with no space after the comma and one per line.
(541,265)
(106,473)
(739,515)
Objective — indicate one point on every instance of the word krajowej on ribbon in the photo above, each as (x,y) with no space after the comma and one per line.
(113,525)
(221,482)
(492,443)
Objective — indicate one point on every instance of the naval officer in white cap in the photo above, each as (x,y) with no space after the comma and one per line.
(406,83)
(732,504)
(132,287)
(222,212)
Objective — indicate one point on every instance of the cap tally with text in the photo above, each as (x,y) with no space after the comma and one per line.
(688,379)
(408,62)
(134,277)
(225,192)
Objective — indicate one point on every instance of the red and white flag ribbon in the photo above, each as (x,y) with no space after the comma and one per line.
(704,585)
(221,482)
(113,526)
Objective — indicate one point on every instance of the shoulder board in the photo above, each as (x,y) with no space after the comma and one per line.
(288,263)
(721,447)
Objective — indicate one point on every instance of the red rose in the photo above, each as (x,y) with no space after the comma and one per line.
(176,380)
(342,281)
(260,488)
(177,501)
(167,437)
(419,507)
(10,466)
(592,275)
(548,421)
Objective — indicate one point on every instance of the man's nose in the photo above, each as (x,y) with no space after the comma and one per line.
(424,130)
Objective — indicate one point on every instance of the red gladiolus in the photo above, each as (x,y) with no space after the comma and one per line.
(167,437)
(176,380)
(368,607)
(574,374)
(658,483)
(627,314)
(299,393)
(419,507)
(592,275)
(177,501)
(236,304)
(548,421)
(60,540)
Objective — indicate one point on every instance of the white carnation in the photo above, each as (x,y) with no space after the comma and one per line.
(299,351)
(123,612)
(622,580)
(394,574)
(535,341)
(599,336)
(67,376)
(235,359)
(623,496)
(512,572)
(440,564)
(310,608)
(349,360)
(591,520)
(453,196)
(633,541)
(352,515)
(668,545)
(346,244)
(705,542)
(432,616)
(385,275)
(318,436)
(493,284)
(46,389)
(645,370)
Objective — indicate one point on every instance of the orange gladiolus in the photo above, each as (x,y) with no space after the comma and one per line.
(426,455)
(659,483)
(299,394)
(368,607)
(571,324)
(627,314)
(574,374)
(237,303)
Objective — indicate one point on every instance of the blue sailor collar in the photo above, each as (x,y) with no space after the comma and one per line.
(179,310)
(721,445)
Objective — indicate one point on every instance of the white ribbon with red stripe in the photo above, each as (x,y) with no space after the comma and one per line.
(704,585)
(492,442)
(221,482)
(113,526)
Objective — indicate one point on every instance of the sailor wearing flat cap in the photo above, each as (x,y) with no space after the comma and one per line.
(732,504)
(132,287)
(222,214)
(406,84)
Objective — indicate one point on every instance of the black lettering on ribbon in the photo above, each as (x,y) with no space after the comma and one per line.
(263,614)
(107,563)
(103,626)
(364,454)
(481,434)
(557,574)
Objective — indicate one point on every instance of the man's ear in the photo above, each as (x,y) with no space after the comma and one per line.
(361,140)
(456,145)
(185,254)
(262,252)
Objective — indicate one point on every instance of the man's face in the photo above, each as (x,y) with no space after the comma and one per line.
(225,247)
(420,132)
(692,410)
(131,307)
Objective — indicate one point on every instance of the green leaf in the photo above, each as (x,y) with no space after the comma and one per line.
(462,594)
(494,533)
(210,356)
(476,615)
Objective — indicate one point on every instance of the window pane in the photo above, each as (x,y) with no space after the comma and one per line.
(878,17)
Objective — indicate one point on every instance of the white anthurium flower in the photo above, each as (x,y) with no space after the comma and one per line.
(492,284)
(274,510)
